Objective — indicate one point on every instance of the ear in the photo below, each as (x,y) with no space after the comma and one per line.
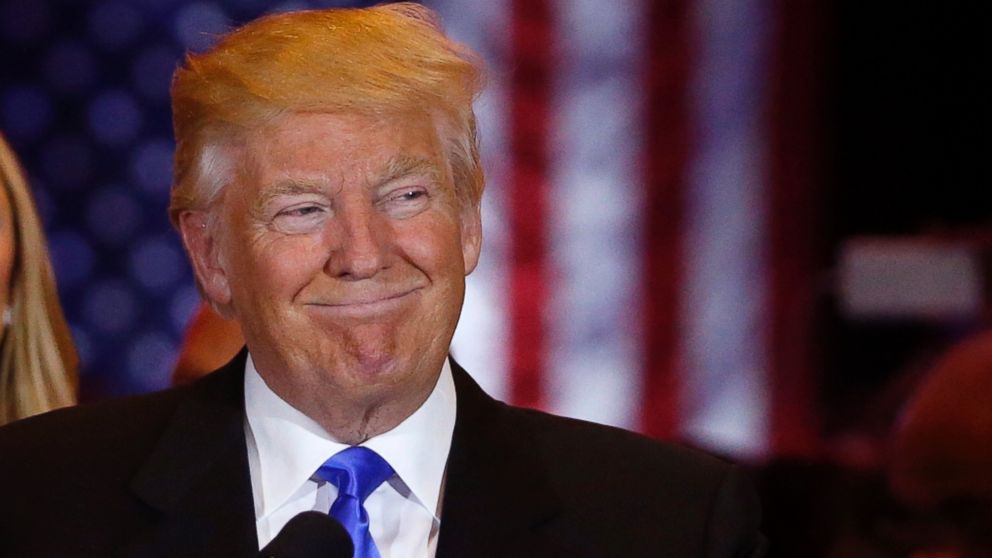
(203,248)
(471,237)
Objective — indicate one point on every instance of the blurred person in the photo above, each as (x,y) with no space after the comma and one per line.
(327,190)
(37,357)
(940,462)
(210,341)
(929,492)
(942,445)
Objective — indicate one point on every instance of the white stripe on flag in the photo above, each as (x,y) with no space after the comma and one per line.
(724,308)
(594,361)
(480,342)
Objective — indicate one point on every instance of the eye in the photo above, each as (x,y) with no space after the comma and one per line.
(301,211)
(410,195)
(300,219)
(405,202)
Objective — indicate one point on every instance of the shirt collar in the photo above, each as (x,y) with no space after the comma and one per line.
(291,446)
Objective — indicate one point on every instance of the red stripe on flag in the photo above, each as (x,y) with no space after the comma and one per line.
(666,153)
(530,109)
(796,176)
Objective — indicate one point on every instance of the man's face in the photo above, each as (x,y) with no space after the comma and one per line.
(342,253)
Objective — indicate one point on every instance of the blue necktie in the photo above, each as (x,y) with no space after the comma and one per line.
(357,472)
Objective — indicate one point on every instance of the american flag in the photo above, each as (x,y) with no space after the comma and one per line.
(646,220)
(639,218)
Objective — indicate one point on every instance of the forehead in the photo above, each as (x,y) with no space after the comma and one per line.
(331,146)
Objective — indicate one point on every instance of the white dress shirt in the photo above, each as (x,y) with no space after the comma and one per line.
(285,448)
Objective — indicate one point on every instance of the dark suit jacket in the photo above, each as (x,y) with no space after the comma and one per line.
(166,475)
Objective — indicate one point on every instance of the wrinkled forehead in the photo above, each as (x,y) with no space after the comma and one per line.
(296,180)
(307,147)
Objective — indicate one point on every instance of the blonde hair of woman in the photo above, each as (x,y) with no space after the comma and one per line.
(37,358)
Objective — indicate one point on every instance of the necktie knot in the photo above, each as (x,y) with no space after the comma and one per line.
(357,472)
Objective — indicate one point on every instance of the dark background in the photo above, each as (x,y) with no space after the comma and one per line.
(907,155)
(896,134)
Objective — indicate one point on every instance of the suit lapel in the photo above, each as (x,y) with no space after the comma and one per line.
(498,500)
(197,478)
(498,497)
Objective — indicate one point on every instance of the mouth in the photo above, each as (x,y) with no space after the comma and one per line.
(366,305)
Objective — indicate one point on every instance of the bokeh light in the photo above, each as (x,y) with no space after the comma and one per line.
(84,100)
(25,21)
(27,112)
(70,67)
(114,24)
(115,117)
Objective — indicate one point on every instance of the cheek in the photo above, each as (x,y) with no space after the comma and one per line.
(435,249)
(273,270)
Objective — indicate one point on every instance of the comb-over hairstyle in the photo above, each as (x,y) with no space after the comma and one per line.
(384,61)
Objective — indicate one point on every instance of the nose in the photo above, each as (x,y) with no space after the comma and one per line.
(359,248)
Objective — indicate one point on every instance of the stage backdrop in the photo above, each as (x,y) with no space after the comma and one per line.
(638,214)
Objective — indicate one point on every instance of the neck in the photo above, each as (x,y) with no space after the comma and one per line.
(360,423)
(350,413)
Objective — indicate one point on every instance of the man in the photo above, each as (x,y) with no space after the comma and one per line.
(327,191)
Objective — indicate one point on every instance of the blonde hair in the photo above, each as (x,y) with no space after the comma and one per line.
(384,61)
(37,358)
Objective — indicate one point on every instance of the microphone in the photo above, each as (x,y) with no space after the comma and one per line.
(310,535)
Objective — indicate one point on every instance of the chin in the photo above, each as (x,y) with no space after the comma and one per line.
(374,365)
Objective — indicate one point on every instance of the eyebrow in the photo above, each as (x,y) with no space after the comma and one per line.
(402,166)
(288,187)
(395,168)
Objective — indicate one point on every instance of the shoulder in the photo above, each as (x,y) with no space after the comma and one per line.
(107,430)
(592,456)
(114,429)
(621,451)
(666,495)
(91,452)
